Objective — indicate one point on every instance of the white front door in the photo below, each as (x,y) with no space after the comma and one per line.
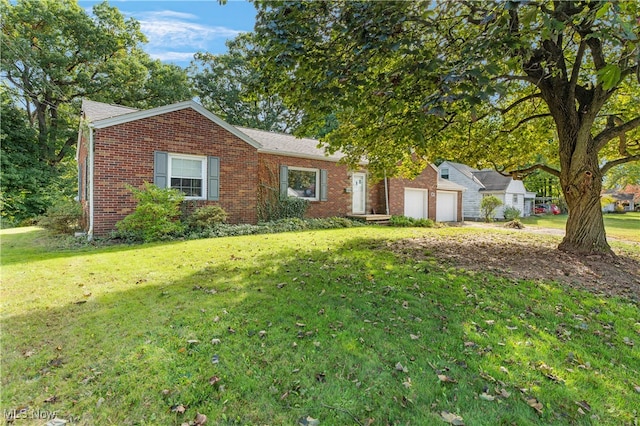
(359,200)
(415,203)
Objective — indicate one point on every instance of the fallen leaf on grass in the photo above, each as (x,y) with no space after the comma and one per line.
(215,359)
(215,341)
(637,388)
(213,380)
(28,354)
(51,399)
(193,341)
(299,324)
(308,421)
(446,379)
(414,336)
(200,419)
(402,368)
(262,333)
(503,393)
(180,409)
(583,405)
(487,397)
(535,404)
(407,383)
(452,418)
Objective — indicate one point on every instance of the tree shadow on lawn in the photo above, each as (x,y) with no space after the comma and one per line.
(325,333)
(515,256)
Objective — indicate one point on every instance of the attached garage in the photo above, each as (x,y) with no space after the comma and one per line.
(416,203)
(447,206)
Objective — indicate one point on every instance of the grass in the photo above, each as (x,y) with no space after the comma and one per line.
(319,323)
(621,226)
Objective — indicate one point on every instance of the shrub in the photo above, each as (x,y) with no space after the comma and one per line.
(619,208)
(404,221)
(511,213)
(279,207)
(156,216)
(207,217)
(488,207)
(63,217)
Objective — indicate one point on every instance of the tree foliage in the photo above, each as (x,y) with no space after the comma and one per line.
(228,85)
(520,86)
(54,53)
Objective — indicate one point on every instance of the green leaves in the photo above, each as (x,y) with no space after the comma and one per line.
(609,76)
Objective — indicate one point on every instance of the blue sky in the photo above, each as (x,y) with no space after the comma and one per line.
(177,29)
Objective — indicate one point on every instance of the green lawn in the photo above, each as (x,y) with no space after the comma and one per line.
(622,226)
(329,324)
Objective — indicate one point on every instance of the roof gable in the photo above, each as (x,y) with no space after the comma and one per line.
(133,115)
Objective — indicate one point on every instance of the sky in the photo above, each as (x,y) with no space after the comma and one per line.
(177,29)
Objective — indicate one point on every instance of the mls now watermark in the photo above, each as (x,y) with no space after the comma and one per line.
(32,414)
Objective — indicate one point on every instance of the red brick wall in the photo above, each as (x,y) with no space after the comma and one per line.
(428,179)
(338,179)
(124,155)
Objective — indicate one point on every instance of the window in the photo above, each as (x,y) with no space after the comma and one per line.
(444,173)
(303,183)
(515,199)
(198,177)
(309,184)
(187,174)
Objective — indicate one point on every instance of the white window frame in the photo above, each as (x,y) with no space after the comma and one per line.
(203,164)
(442,173)
(306,169)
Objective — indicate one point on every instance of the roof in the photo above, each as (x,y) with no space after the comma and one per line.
(447,185)
(291,146)
(466,171)
(492,180)
(95,111)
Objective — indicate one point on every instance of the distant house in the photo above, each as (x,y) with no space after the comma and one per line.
(628,199)
(185,146)
(481,183)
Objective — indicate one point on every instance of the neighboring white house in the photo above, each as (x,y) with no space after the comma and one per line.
(481,183)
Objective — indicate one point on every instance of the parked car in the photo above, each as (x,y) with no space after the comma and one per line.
(540,209)
(546,208)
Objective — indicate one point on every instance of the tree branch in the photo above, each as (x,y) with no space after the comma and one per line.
(575,72)
(524,120)
(526,78)
(520,173)
(608,166)
(519,101)
(612,132)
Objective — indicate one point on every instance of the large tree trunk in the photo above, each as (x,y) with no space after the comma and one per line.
(585,233)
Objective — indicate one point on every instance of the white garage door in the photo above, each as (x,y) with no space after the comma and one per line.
(446,206)
(415,203)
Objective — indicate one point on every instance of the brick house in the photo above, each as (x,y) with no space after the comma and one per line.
(184,146)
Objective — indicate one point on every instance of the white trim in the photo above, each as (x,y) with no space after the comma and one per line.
(203,168)
(89,178)
(307,169)
(139,115)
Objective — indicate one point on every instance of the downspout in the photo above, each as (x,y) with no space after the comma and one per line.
(90,183)
(386,192)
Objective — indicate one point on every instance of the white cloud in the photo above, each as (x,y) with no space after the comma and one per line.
(172,56)
(172,29)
